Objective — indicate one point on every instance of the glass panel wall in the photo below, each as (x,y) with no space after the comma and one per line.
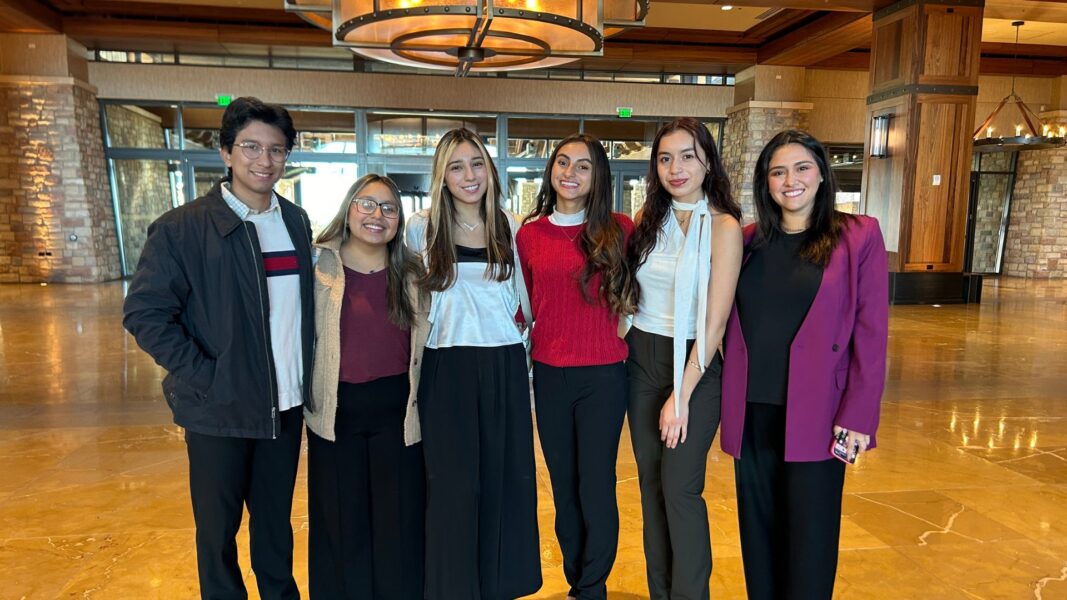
(523,185)
(325,131)
(624,139)
(133,126)
(847,165)
(990,207)
(319,187)
(633,193)
(201,126)
(417,135)
(535,138)
(144,189)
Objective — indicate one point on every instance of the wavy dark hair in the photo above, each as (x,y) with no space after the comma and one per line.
(246,109)
(825,223)
(602,242)
(402,263)
(716,186)
(440,247)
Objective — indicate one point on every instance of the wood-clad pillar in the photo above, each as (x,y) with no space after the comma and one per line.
(924,75)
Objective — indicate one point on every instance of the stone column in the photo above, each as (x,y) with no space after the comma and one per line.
(767,101)
(57,221)
(1037,230)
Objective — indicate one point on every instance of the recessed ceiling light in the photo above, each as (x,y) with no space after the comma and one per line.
(727,6)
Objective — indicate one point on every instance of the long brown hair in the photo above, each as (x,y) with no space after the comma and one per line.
(825,223)
(401,263)
(602,240)
(440,247)
(716,186)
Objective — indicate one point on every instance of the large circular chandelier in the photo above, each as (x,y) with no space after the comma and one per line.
(472,35)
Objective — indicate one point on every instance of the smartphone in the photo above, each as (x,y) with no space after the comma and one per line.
(840,450)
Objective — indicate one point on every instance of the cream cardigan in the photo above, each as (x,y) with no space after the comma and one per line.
(329,291)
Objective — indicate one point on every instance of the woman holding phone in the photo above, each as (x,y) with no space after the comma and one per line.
(805,361)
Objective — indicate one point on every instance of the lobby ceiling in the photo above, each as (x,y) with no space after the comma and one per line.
(680,36)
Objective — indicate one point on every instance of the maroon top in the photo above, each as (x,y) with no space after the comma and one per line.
(371,345)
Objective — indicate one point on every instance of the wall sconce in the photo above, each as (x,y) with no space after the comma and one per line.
(880,136)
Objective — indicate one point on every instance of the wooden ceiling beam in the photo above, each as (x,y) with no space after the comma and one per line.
(96,28)
(829,36)
(28,16)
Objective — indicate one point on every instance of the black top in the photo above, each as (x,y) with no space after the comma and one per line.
(467,254)
(774,292)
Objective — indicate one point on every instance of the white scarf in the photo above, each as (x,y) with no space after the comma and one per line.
(691,270)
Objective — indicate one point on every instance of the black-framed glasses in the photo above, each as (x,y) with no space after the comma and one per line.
(252,151)
(367,206)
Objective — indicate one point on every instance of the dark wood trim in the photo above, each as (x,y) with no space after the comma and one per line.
(826,37)
(28,16)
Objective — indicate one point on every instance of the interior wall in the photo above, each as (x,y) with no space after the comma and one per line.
(411,92)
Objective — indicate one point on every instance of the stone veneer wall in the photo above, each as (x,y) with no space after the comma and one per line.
(748,129)
(989,216)
(54,186)
(1037,231)
(142,186)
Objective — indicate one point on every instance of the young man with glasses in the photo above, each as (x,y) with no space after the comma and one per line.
(223,300)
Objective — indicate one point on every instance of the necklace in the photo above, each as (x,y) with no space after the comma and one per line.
(571,238)
(788,230)
(468,227)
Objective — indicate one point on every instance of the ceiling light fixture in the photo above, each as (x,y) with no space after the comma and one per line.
(467,36)
(1031,140)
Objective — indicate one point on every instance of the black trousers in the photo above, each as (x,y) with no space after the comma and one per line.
(789,513)
(579,420)
(227,473)
(366,499)
(481,495)
(677,541)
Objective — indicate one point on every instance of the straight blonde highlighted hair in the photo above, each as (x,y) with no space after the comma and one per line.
(440,245)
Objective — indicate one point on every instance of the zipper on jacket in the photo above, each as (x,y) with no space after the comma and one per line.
(305,387)
(263,323)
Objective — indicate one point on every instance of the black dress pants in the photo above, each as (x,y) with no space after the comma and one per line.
(366,499)
(225,474)
(481,494)
(677,541)
(580,411)
(789,513)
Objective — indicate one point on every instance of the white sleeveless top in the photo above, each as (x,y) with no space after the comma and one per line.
(475,310)
(674,285)
(655,311)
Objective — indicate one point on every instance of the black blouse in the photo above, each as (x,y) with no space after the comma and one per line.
(774,292)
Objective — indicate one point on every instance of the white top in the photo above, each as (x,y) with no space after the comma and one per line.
(475,310)
(674,286)
(283,292)
(655,311)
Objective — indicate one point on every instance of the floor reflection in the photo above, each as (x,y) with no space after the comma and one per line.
(966,496)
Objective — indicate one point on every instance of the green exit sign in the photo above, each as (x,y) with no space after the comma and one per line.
(223,99)
(624,112)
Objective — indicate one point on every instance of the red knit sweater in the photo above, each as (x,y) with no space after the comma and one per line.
(568,331)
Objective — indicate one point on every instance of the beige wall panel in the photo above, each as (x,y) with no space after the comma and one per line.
(1035,91)
(840,99)
(33,54)
(201,84)
(779,84)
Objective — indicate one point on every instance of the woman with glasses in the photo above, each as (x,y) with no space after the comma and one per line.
(473,397)
(366,486)
(573,249)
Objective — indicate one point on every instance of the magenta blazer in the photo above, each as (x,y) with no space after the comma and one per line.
(837,359)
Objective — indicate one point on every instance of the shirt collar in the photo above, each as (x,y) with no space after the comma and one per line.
(243,210)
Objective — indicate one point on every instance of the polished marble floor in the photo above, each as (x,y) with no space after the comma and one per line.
(963,500)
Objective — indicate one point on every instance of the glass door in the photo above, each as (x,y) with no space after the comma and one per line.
(411,175)
(629,188)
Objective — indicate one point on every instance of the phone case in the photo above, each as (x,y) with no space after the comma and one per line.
(839,450)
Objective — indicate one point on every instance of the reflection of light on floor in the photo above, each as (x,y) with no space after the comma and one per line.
(1033,440)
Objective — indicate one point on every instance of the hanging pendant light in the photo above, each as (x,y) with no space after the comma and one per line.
(1049,137)
(472,35)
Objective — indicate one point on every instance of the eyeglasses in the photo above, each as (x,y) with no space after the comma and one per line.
(367,206)
(252,151)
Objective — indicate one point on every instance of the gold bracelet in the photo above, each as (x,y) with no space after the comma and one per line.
(695,365)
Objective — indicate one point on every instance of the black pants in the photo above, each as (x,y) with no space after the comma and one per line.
(225,474)
(366,499)
(579,420)
(675,517)
(481,495)
(789,513)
